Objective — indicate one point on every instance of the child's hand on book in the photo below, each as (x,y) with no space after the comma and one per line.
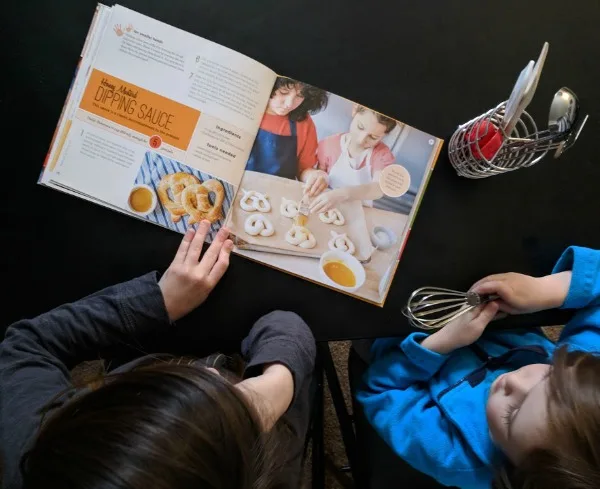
(522,294)
(463,331)
(188,280)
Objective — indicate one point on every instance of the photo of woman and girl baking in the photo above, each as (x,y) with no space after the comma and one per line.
(330,189)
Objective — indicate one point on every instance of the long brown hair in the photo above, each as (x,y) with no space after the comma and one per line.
(571,459)
(163,426)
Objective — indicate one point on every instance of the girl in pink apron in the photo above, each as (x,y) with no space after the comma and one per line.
(350,163)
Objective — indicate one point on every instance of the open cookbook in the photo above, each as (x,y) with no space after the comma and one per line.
(174,129)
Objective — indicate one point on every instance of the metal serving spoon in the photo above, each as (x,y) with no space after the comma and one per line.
(562,118)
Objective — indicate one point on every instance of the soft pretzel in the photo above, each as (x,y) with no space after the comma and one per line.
(289,208)
(332,216)
(176,184)
(255,201)
(196,203)
(300,236)
(341,242)
(258,224)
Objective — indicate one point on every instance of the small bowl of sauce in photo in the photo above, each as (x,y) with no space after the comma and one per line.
(342,271)
(142,200)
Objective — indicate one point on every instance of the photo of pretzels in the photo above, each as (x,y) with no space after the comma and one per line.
(332,216)
(195,201)
(258,224)
(341,242)
(169,192)
(183,194)
(254,201)
(300,236)
(289,208)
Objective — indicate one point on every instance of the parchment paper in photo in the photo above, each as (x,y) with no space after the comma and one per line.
(277,188)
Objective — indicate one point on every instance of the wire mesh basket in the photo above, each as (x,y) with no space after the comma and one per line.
(481,148)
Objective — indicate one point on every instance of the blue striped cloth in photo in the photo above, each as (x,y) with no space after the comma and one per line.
(154,168)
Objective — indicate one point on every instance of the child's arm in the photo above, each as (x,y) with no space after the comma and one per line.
(329,200)
(583,331)
(37,354)
(280,351)
(117,315)
(574,284)
(522,294)
(80,331)
(397,401)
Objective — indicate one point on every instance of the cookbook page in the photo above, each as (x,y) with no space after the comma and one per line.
(162,123)
(358,175)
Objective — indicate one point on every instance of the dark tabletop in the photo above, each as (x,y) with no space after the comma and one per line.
(432,64)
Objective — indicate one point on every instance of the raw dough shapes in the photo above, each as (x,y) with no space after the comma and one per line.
(332,216)
(300,236)
(289,208)
(341,242)
(254,201)
(196,203)
(258,224)
(175,183)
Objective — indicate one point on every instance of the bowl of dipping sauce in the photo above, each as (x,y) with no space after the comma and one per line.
(341,270)
(142,199)
(383,238)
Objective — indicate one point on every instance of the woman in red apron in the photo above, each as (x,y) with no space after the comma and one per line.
(350,163)
(286,142)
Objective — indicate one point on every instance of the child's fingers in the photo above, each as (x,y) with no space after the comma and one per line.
(318,187)
(485,316)
(490,278)
(506,308)
(316,202)
(322,205)
(500,315)
(212,254)
(322,185)
(195,248)
(184,246)
(221,265)
(496,287)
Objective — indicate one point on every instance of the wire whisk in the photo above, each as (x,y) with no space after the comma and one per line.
(435,307)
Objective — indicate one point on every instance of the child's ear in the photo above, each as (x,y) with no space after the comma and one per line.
(355,109)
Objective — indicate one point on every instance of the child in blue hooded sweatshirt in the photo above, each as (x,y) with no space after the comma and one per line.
(511,405)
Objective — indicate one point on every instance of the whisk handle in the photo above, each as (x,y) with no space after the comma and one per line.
(474,299)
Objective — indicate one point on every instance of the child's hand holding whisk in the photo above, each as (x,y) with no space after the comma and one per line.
(522,294)
(518,294)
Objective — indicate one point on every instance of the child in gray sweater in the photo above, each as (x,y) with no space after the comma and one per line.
(154,422)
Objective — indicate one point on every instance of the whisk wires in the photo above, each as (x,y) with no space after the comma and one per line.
(434,307)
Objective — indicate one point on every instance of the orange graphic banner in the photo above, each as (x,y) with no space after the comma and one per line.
(139,109)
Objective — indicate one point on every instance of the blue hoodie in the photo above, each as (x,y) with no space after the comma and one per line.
(430,408)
